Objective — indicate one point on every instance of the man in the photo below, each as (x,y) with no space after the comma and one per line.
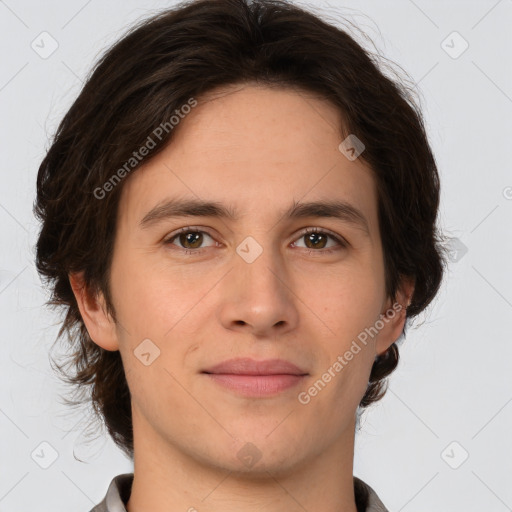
(239,214)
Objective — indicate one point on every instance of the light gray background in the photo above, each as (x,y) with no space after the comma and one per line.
(454,381)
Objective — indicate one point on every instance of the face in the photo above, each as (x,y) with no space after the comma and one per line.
(259,284)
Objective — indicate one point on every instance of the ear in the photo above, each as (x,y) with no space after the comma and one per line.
(100,325)
(394,315)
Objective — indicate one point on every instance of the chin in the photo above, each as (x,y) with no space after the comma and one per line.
(260,453)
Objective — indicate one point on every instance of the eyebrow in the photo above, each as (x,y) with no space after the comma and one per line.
(199,208)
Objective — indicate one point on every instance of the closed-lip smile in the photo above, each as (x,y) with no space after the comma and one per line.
(252,378)
(247,366)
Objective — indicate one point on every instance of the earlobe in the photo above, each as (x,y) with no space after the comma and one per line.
(394,316)
(99,324)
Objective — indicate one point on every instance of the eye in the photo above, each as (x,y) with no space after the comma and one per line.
(317,239)
(189,238)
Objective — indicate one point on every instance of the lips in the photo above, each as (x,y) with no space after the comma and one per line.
(256,379)
(247,366)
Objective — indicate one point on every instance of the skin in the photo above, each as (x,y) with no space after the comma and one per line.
(257,149)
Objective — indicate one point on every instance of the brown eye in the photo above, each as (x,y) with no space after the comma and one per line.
(188,239)
(317,240)
(191,240)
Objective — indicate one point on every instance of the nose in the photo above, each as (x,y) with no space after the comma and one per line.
(259,297)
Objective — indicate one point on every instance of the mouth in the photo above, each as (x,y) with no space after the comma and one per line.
(251,378)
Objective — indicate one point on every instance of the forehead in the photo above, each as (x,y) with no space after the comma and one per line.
(258,149)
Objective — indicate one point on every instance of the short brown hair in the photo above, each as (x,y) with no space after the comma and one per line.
(156,68)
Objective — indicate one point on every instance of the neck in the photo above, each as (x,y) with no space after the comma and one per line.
(166,479)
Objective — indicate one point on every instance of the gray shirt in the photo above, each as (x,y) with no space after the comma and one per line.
(120,488)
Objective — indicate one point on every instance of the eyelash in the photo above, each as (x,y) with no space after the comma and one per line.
(341,241)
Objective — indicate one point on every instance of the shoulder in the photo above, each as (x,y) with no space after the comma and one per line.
(367,499)
(117,495)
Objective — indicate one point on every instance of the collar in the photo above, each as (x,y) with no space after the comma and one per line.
(120,487)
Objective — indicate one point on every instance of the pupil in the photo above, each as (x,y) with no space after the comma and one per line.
(189,239)
(312,237)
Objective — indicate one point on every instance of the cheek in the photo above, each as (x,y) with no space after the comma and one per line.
(148,295)
(348,304)
(165,304)
(347,301)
